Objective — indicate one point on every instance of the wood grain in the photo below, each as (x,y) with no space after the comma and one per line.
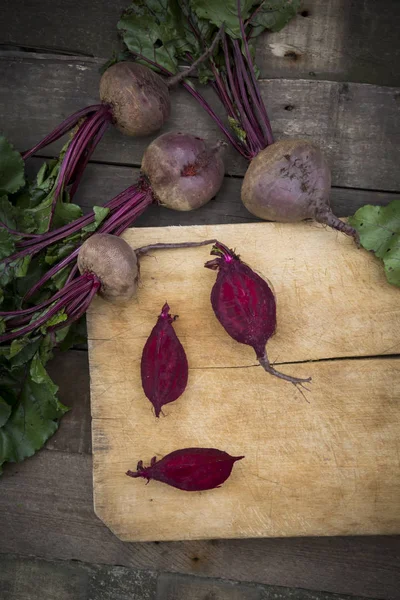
(336,40)
(356,125)
(329,39)
(46,510)
(323,468)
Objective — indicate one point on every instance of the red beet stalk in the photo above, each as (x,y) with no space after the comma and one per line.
(94,120)
(245,306)
(189,469)
(164,366)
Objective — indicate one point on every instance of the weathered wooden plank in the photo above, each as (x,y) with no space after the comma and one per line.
(33,579)
(336,40)
(46,510)
(69,370)
(357,125)
(62,25)
(179,587)
(329,39)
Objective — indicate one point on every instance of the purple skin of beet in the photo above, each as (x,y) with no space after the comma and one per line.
(189,469)
(164,366)
(245,305)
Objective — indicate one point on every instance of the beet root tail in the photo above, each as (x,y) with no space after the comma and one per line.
(133,474)
(297,381)
(330,219)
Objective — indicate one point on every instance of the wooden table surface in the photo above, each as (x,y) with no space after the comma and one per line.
(332,75)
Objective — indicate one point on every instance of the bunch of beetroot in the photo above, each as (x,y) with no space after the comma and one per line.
(288,180)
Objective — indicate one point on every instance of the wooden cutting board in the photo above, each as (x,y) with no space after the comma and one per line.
(329,466)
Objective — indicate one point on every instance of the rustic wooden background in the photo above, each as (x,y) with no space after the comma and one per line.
(332,75)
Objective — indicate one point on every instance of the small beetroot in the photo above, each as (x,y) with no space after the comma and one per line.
(164,366)
(245,305)
(189,469)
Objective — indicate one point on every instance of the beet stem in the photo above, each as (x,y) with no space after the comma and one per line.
(82,164)
(297,381)
(259,117)
(261,104)
(251,136)
(243,80)
(232,139)
(145,249)
(175,79)
(86,133)
(63,128)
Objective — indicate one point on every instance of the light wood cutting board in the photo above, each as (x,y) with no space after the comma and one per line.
(329,466)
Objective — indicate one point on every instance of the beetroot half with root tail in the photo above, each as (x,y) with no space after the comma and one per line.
(189,469)
(245,306)
(164,366)
(290,181)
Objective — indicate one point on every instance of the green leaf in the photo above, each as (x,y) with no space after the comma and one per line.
(46,349)
(274,15)
(11,168)
(39,374)
(7,213)
(16,268)
(7,243)
(56,319)
(61,277)
(100,213)
(143,36)
(25,352)
(59,251)
(16,346)
(70,336)
(65,213)
(379,231)
(221,12)
(5,411)
(33,419)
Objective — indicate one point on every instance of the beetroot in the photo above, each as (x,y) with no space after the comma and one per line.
(164,366)
(189,469)
(290,181)
(245,306)
(184,173)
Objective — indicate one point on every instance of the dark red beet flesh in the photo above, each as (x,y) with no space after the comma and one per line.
(189,469)
(245,305)
(164,366)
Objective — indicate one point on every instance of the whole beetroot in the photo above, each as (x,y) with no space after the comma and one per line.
(184,173)
(138,97)
(290,181)
(244,304)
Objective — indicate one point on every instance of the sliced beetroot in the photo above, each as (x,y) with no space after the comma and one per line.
(164,366)
(189,469)
(245,305)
